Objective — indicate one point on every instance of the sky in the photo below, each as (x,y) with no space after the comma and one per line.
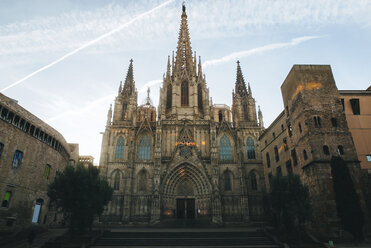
(63,60)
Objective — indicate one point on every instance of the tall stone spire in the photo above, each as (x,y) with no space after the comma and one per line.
(183,60)
(129,85)
(240,87)
(260,117)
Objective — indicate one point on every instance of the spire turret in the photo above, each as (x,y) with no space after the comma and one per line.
(240,87)
(199,67)
(183,60)
(109,115)
(260,117)
(129,86)
(168,67)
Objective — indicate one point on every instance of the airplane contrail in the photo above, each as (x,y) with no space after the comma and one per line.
(87,45)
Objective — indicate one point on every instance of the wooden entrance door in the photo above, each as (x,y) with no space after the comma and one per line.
(185,208)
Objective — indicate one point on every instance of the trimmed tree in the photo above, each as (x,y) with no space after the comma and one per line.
(81,193)
(288,202)
(347,201)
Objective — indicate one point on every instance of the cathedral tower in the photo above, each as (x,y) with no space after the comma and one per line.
(243,107)
(184,94)
(127,98)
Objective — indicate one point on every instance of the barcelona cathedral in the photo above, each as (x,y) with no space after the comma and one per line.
(189,159)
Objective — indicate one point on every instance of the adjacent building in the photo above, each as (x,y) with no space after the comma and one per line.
(31,152)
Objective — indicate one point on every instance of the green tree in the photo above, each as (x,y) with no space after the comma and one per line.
(347,201)
(81,193)
(288,202)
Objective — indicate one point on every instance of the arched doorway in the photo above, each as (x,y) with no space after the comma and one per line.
(186,193)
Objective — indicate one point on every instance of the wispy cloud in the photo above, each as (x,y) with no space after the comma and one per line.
(242,54)
(113,31)
(207,19)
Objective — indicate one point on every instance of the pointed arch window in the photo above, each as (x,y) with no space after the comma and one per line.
(144,148)
(220,115)
(184,94)
(124,111)
(120,147)
(225,149)
(254,183)
(199,96)
(169,94)
(250,147)
(116,183)
(227,181)
(245,113)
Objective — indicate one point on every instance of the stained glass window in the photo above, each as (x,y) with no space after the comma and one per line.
(225,149)
(120,148)
(250,147)
(184,94)
(17,159)
(144,148)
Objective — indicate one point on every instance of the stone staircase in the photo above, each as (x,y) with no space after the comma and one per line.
(184,238)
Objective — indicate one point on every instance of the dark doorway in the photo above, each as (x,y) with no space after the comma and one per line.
(185,208)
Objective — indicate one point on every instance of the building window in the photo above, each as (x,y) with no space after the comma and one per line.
(274,135)
(1,148)
(285,146)
(342,103)
(268,160)
(355,106)
(124,111)
(317,121)
(220,115)
(300,130)
(276,155)
(305,155)
(294,157)
(282,128)
(289,129)
(334,122)
(227,181)
(120,146)
(254,183)
(341,150)
(47,171)
(287,111)
(250,147)
(6,199)
(225,149)
(368,157)
(199,97)
(116,184)
(184,94)
(326,151)
(17,158)
(144,148)
(245,112)
(169,95)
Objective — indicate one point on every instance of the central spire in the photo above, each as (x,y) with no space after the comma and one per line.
(129,86)
(183,60)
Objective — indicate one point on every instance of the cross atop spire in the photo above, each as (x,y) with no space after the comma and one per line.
(240,87)
(129,85)
(183,60)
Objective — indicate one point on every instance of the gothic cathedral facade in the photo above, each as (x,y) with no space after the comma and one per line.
(190,158)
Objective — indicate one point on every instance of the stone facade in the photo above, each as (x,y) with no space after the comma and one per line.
(190,159)
(306,135)
(31,152)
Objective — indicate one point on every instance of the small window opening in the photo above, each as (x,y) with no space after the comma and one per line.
(17,158)
(294,157)
(16,120)
(282,127)
(288,166)
(334,122)
(47,171)
(340,150)
(32,130)
(220,114)
(289,129)
(1,148)
(317,121)
(27,127)
(355,106)
(4,113)
(274,135)
(342,104)
(6,199)
(326,150)
(268,160)
(21,124)
(300,130)
(10,117)
(277,156)
(305,155)
(285,146)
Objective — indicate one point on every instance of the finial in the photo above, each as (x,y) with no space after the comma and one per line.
(148,90)
(238,62)
(183,6)
(131,60)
